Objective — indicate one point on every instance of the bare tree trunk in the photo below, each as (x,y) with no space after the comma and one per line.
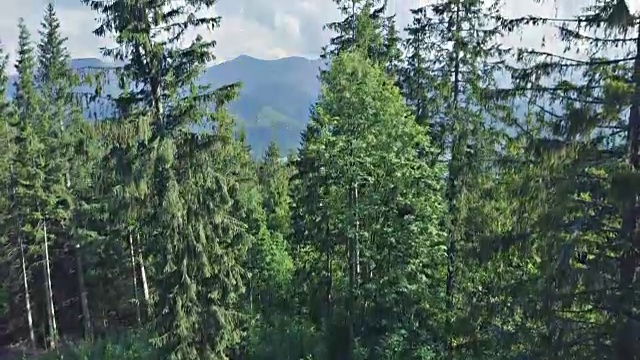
(453,193)
(27,297)
(84,302)
(353,278)
(627,344)
(23,260)
(135,279)
(143,275)
(53,328)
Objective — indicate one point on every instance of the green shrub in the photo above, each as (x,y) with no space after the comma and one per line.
(285,338)
(129,346)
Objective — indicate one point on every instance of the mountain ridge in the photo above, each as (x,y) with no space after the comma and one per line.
(274,101)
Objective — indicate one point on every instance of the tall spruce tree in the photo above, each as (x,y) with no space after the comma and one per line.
(36,173)
(198,243)
(361,194)
(453,50)
(20,311)
(362,25)
(55,81)
(586,245)
(5,178)
(274,179)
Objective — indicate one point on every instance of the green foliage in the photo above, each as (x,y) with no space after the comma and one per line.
(390,226)
(285,338)
(127,346)
(426,215)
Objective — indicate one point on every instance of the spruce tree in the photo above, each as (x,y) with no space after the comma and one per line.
(274,251)
(587,153)
(274,180)
(5,178)
(370,180)
(55,81)
(199,245)
(362,27)
(453,58)
(17,284)
(36,183)
(392,57)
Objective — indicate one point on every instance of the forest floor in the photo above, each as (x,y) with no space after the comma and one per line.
(17,353)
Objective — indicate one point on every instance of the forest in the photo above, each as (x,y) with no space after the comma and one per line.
(433,210)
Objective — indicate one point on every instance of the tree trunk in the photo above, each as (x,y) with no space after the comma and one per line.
(27,297)
(23,260)
(352,255)
(53,328)
(627,340)
(135,279)
(84,302)
(453,193)
(143,275)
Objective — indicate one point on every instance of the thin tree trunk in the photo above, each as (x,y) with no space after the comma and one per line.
(23,259)
(453,194)
(135,279)
(53,328)
(143,275)
(352,245)
(27,297)
(84,302)
(357,235)
(328,280)
(627,338)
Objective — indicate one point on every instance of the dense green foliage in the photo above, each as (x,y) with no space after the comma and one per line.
(431,212)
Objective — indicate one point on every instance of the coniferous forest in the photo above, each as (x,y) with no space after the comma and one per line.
(451,198)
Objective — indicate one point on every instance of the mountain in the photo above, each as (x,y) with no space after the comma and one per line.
(274,101)
(275,97)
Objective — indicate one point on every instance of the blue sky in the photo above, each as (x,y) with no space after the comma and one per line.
(264,29)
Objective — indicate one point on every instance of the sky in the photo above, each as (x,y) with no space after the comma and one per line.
(265,29)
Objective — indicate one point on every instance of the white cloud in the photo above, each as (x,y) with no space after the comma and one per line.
(260,28)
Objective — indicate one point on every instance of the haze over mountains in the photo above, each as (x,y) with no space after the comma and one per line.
(274,101)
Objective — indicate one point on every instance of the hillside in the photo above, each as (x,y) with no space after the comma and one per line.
(275,98)
(274,101)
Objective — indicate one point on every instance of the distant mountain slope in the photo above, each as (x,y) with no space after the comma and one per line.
(274,101)
(275,98)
